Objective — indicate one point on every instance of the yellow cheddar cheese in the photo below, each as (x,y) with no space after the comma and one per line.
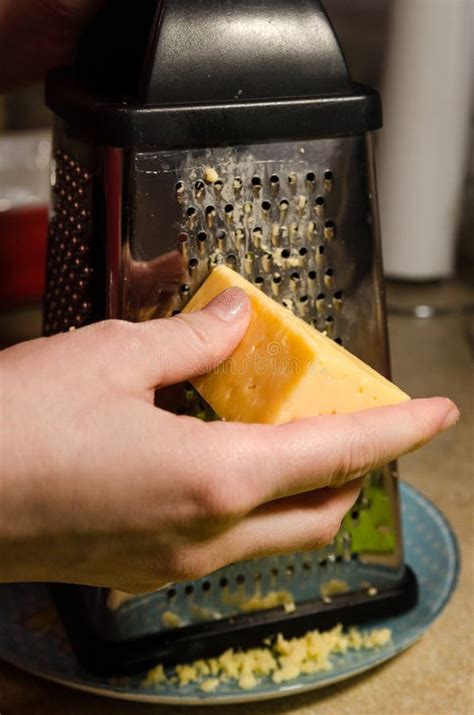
(283,369)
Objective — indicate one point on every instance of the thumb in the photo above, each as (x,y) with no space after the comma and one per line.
(192,344)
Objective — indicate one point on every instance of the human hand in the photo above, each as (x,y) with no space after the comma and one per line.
(101,487)
(38,35)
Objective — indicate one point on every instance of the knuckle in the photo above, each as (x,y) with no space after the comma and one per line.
(214,499)
(184,565)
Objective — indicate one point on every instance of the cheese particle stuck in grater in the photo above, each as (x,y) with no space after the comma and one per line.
(191,136)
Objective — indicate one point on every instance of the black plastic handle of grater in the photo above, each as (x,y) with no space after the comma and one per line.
(181,51)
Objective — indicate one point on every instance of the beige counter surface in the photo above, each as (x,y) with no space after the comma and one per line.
(435,676)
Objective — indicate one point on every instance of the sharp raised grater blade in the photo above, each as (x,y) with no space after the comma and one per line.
(161,179)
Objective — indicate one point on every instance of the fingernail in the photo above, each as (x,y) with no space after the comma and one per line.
(230,305)
(452,416)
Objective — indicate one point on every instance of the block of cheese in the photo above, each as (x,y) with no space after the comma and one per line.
(283,369)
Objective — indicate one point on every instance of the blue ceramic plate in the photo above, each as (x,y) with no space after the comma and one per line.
(32,638)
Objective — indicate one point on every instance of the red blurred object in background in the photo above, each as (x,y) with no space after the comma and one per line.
(23,232)
(24,194)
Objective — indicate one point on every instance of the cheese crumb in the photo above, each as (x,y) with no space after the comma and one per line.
(210,685)
(171,620)
(210,175)
(282,660)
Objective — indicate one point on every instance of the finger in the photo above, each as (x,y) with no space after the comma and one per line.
(163,352)
(299,523)
(259,463)
(182,347)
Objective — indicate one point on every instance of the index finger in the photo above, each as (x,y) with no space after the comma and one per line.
(269,462)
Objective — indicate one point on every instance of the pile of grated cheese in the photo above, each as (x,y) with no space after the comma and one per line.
(282,660)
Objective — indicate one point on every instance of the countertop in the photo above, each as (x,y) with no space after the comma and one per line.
(430,357)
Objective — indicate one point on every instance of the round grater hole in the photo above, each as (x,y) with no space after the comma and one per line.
(224,582)
(170,594)
(285,253)
(274,181)
(274,571)
(189,590)
(240,579)
(355,556)
(312,275)
(328,175)
(256,181)
(210,209)
(199,187)
(266,206)
(311,177)
(206,586)
(323,563)
(329,273)
(338,341)
(191,211)
(321,250)
(290,570)
(307,565)
(228,208)
(193,263)
(339,559)
(277,278)
(259,280)
(320,201)
(354,514)
(202,236)
(338,295)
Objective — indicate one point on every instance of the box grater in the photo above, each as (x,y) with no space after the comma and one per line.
(191,134)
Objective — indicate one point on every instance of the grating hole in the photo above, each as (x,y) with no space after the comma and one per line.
(312,275)
(191,211)
(210,209)
(220,235)
(328,175)
(259,280)
(228,208)
(311,177)
(355,556)
(284,204)
(274,179)
(277,278)
(320,201)
(266,205)
(323,563)
(339,295)
(171,593)
(329,224)
(285,253)
(256,181)
(306,565)
(274,571)
(202,236)
(355,514)
(193,263)
(290,570)
(295,276)
(338,341)
(321,250)
(199,186)
(189,590)
(223,583)
(329,273)
(304,299)
(329,319)
(185,289)
(206,586)
(240,579)
(321,296)
(303,252)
